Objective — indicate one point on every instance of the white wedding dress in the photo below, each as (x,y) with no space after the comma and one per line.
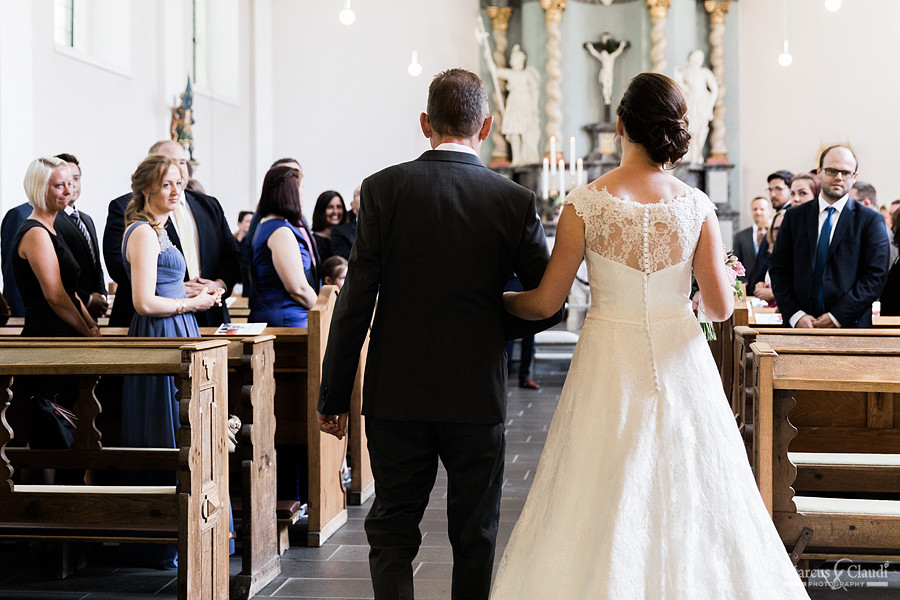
(644,490)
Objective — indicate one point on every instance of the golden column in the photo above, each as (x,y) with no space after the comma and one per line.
(500,19)
(659,14)
(553,11)
(717,10)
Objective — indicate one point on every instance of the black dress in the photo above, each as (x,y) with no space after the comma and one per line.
(323,244)
(40,320)
(890,296)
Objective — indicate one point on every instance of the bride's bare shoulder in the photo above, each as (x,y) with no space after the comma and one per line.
(640,186)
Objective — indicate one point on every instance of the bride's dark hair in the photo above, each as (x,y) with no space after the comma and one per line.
(654,114)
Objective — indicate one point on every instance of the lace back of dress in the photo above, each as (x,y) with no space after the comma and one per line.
(645,237)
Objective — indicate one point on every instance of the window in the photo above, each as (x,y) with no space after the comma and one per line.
(94,31)
(215,44)
(63,20)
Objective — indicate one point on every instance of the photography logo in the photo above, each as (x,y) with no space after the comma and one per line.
(846,575)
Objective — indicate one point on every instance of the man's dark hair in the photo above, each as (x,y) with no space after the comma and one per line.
(243,214)
(69,158)
(281,194)
(830,148)
(867,191)
(457,103)
(785,176)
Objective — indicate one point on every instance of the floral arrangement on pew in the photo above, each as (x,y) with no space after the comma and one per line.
(734,269)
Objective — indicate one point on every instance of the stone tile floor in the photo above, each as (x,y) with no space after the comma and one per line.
(339,569)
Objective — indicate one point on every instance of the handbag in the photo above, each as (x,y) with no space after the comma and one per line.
(50,426)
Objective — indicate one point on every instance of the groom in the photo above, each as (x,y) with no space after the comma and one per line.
(437,239)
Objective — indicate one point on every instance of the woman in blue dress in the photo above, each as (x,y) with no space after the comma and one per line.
(284,278)
(156,268)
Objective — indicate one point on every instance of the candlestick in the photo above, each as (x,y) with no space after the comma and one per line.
(553,155)
(545,179)
(562,180)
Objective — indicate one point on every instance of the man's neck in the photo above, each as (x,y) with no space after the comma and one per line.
(473,142)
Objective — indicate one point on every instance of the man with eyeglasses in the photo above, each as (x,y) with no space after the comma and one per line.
(780,188)
(831,258)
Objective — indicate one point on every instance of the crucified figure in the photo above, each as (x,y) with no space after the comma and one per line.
(607,50)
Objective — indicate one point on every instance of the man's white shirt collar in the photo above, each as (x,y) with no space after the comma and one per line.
(456,148)
(838,206)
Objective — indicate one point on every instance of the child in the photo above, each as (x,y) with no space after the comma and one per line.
(334,270)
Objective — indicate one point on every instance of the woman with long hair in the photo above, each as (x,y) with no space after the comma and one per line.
(329,212)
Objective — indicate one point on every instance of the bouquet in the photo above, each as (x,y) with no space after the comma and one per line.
(733,269)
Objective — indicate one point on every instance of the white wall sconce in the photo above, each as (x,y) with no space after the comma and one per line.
(414,68)
(347,16)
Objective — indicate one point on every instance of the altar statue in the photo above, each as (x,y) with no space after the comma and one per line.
(182,119)
(700,90)
(607,50)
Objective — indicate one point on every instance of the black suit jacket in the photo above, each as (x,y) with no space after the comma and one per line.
(745,251)
(855,270)
(12,220)
(436,241)
(219,255)
(91,279)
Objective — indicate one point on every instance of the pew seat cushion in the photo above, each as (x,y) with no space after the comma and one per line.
(849,506)
(844,459)
(96,489)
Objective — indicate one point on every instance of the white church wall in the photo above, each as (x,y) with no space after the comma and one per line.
(841,87)
(343,102)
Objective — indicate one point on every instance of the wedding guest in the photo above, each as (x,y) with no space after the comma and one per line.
(805,187)
(762,284)
(12,220)
(780,188)
(43,265)
(334,271)
(76,228)
(200,231)
(243,221)
(748,242)
(343,236)
(328,214)
(282,265)
(890,296)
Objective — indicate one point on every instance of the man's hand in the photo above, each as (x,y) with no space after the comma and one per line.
(335,425)
(806,322)
(196,285)
(823,322)
(764,292)
(97,305)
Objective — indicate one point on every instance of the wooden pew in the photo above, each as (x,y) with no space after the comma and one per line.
(193,514)
(722,347)
(251,398)
(821,527)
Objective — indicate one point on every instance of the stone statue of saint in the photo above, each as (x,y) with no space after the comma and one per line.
(700,92)
(521,124)
(182,120)
(607,50)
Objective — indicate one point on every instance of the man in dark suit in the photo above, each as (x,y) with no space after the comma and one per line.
(436,241)
(76,229)
(12,220)
(212,256)
(747,241)
(831,257)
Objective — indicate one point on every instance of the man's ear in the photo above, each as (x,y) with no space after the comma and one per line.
(486,128)
(426,125)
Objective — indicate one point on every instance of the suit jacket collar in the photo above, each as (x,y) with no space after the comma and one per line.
(847,215)
(843,224)
(451,156)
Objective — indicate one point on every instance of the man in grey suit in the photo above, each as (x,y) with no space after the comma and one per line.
(437,239)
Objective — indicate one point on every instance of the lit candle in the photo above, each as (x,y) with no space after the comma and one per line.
(545,180)
(553,155)
(580,170)
(562,180)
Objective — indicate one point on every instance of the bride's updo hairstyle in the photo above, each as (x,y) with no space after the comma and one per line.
(654,114)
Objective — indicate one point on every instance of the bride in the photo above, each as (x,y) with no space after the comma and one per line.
(643,490)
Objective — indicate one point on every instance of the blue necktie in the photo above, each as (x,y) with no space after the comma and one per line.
(821,257)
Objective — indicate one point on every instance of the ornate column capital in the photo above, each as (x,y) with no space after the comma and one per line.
(659,8)
(499,16)
(553,9)
(717,10)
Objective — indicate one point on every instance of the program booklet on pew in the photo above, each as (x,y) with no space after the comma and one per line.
(240,328)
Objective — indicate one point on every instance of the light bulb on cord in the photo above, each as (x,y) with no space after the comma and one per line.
(347,16)
(785,59)
(833,5)
(414,68)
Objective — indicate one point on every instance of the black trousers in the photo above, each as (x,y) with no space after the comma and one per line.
(404,457)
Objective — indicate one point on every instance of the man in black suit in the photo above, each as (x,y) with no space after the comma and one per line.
(76,228)
(831,257)
(747,241)
(213,257)
(436,241)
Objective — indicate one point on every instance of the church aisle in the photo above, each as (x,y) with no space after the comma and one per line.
(339,569)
